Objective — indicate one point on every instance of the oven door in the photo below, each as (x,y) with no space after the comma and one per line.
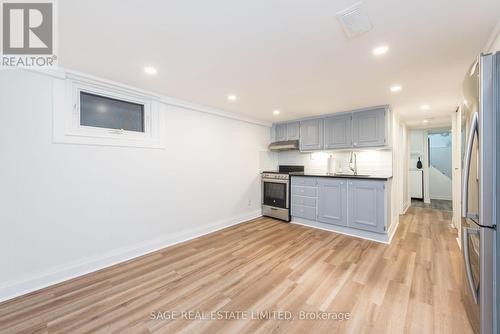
(275,193)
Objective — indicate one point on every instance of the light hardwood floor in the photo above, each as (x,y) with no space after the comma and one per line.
(410,286)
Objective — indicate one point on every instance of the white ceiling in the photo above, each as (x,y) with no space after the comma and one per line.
(289,55)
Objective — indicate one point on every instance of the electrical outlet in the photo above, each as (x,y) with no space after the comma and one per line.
(249,202)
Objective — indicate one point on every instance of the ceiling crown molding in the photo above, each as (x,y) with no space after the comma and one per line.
(63,74)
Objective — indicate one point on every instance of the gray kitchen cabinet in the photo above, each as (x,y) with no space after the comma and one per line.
(338,132)
(311,134)
(293,131)
(305,191)
(305,212)
(286,131)
(366,205)
(332,201)
(280,132)
(369,128)
(304,201)
(304,197)
(304,181)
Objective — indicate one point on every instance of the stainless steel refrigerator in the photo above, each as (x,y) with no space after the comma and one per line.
(481,141)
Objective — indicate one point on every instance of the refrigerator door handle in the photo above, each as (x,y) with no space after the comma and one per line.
(468,270)
(470,143)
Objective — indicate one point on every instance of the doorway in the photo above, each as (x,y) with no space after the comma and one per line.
(440,168)
(431,170)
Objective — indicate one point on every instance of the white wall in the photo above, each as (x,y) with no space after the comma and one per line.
(404,157)
(440,185)
(440,172)
(69,209)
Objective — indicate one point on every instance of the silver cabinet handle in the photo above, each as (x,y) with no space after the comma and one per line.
(468,270)
(470,143)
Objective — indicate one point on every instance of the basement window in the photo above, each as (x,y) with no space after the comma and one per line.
(91,111)
(109,113)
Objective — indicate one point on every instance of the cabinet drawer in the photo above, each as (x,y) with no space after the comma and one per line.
(306,201)
(304,181)
(304,191)
(306,212)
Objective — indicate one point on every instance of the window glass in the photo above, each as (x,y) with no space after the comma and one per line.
(104,112)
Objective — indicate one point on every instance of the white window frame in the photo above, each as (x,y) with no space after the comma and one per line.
(105,132)
(67,127)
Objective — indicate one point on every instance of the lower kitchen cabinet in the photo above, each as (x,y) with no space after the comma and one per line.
(304,198)
(367,205)
(305,212)
(353,204)
(332,201)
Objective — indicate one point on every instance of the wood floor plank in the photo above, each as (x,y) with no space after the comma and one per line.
(265,265)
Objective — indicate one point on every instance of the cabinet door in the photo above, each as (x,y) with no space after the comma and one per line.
(367,205)
(293,131)
(332,201)
(280,132)
(311,134)
(368,128)
(338,132)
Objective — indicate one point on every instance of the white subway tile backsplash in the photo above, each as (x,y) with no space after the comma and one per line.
(374,162)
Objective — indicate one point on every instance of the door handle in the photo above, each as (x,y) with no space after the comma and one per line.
(470,143)
(468,270)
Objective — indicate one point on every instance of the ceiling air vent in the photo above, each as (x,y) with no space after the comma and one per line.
(355,20)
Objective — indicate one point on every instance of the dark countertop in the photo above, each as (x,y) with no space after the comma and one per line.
(343,176)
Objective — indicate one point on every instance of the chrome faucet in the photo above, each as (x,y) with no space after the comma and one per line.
(351,158)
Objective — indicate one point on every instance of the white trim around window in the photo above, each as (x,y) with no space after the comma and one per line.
(67,127)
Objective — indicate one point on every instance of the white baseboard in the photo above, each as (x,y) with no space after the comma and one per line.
(406,207)
(12,289)
(393,228)
(372,236)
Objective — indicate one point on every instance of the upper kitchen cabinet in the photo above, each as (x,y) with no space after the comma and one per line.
(293,131)
(311,134)
(287,131)
(369,128)
(280,132)
(338,132)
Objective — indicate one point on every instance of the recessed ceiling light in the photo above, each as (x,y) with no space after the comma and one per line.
(425,121)
(231,97)
(150,70)
(380,50)
(396,88)
(424,107)
(276,112)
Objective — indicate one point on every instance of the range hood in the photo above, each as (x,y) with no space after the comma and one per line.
(288,145)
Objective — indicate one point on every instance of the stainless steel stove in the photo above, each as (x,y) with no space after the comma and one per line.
(276,191)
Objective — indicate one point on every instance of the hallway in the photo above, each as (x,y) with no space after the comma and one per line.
(437,204)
